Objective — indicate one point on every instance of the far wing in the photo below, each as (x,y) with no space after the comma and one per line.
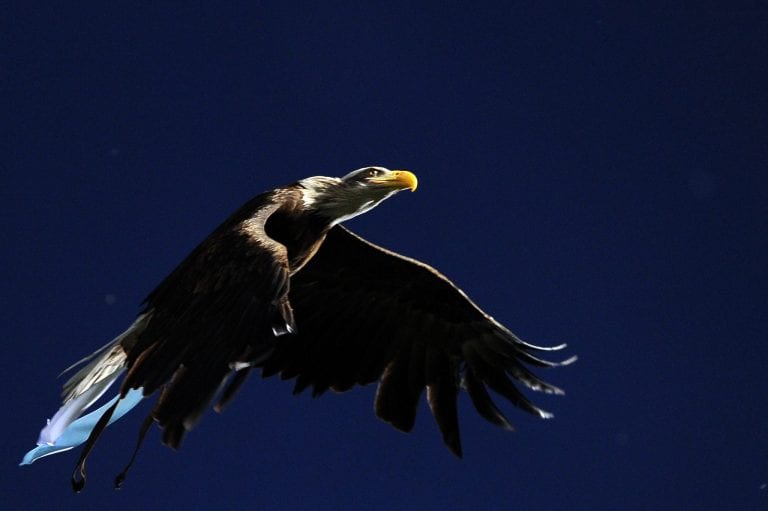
(365,313)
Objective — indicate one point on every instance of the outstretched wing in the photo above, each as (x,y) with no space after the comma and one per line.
(219,310)
(365,313)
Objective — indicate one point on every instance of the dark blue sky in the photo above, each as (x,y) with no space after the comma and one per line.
(591,174)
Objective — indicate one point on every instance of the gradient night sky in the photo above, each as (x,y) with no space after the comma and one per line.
(593,175)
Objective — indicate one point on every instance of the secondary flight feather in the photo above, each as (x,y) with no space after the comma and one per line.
(282,288)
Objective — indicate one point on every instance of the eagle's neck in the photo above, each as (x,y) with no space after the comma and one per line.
(332,199)
(301,231)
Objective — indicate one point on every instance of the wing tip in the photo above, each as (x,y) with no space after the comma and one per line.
(546,388)
(545,414)
(457,450)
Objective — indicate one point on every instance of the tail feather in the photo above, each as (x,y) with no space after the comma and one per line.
(79,431)
(104,362)
(68,427)
(73,409)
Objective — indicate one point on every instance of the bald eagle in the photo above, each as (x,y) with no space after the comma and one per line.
(283,288)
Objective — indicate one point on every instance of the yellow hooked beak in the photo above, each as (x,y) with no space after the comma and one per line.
(400,179)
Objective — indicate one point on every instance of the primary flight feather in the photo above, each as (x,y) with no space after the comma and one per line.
(280,286)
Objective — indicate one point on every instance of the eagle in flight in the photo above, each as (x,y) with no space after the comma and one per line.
(283,288)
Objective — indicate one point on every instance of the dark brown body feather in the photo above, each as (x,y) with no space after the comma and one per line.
(362,314)
(221,306)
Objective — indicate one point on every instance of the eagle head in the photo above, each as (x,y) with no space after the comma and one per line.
(339,199)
